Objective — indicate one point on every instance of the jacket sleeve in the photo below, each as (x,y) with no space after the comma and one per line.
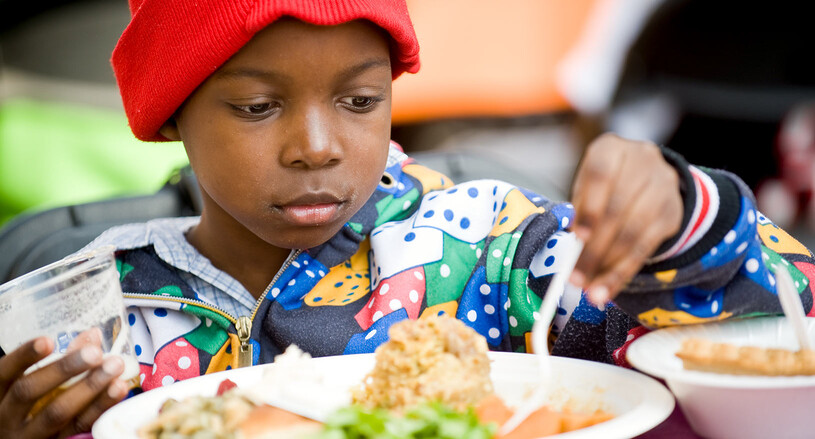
(722,264)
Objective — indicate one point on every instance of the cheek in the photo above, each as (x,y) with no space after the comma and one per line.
(371,167)
(367,146)
(230,171)
(219,148)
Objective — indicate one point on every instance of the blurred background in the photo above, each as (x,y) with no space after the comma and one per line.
(512,90)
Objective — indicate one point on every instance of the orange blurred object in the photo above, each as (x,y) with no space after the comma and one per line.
(540,423)
(487,58)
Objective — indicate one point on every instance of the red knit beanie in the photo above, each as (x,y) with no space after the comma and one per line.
(171,46)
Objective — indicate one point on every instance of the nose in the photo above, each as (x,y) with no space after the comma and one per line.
(312,143)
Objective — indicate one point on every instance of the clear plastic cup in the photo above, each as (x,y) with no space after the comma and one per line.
(65,298)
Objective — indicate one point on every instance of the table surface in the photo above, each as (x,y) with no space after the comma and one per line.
(676,426)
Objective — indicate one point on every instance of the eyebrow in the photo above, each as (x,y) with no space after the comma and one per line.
(250,73)
(271,75)
(362,67)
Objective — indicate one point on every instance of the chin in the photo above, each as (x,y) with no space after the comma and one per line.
(306,238)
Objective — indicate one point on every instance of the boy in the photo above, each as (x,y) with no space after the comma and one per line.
(317,231)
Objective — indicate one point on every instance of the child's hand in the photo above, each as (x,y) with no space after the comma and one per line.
(71,412)
(627,203)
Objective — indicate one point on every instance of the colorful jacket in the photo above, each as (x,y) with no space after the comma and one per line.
(482,251)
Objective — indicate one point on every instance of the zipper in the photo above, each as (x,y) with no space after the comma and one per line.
(244,327)
(243,324)
(184,300)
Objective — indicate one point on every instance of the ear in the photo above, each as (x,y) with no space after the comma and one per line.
(170,130)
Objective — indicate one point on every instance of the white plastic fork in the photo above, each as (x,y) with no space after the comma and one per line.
(540,334)
(791,304)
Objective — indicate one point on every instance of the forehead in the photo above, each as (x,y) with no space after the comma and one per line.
(290,43)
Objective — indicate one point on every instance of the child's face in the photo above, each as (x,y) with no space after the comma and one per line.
(290,137)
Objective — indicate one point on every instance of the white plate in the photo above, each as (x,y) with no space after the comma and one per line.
(638,402)
(655,352)
(723,405)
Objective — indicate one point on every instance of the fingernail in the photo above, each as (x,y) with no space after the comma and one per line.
(42,346)
(582,232)
(90,354)
(117,389)
(599,295)
(113,366)
(577,279)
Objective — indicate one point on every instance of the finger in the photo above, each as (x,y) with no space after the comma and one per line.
(656,211)
(594,182)
(635,243)
(92,336)
(113,393)
(624,195)
(608,284)
(27,390)
(74,401)
(15,363)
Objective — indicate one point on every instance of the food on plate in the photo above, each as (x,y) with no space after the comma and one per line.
(268,422)
(430,359)
(439,421)
(543,422)
(241,413)
(441,360)
(431,379)
(709,356)
(218,415)
(425,420)
(230,415)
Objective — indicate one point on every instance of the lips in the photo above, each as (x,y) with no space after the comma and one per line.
(311,209)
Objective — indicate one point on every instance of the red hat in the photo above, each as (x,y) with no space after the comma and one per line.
(170,47)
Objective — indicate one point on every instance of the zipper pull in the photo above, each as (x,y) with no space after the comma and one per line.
(244,327)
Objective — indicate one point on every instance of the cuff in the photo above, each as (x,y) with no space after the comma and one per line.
(711,207)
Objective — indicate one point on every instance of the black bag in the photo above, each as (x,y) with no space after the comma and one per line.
(31,241)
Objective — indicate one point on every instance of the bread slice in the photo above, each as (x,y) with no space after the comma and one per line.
(708,356)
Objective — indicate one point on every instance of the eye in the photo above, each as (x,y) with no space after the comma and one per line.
(256,110)
(361,104)
(361,101)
